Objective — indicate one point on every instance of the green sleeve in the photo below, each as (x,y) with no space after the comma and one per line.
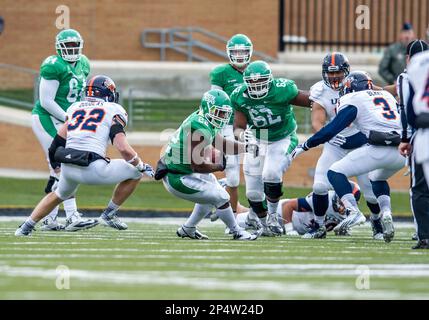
(290,90)
(216,77)
(234,99)
(86,65)
(50,69)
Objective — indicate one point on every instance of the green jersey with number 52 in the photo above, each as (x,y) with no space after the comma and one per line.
(71,78)
(273,112)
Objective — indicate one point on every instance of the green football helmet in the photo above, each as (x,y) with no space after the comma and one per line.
(69,45)
(216,108)
(258,78)
(239,49)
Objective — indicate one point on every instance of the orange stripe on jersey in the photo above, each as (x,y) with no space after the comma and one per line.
(90,86)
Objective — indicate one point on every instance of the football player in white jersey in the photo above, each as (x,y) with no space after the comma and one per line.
(418,76)
(298,214)
(375,114)
(325,95)
(80,147)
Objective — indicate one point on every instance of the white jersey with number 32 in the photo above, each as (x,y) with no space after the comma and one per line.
(89,125)
(376,110)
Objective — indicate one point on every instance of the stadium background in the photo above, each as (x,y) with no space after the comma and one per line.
(159,94)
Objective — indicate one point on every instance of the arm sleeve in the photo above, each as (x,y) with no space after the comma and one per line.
(47,92)
(384,67)
(343,119)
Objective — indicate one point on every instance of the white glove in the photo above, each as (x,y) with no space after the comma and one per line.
(298,150)
(290,231)
(146,169)
(338,140)
(248,137)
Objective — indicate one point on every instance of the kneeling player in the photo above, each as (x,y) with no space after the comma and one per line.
(80,145)
(298,214)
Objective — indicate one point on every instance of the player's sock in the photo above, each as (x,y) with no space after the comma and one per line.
(272,207)
(381,190)
(384,202)
(70,207)
(320,220)
(349,201)
(198,214)
(227,216)
(375,210)
(28,224)
(320,205)
(53,214)
(340,183)
(111,209)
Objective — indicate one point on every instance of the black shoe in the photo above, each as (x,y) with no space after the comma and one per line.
(422,244)
(415,237)
(316,232)
(377,229)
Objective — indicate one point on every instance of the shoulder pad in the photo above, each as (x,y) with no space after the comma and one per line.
(316,90)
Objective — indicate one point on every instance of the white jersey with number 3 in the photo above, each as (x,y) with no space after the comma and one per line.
(376,110)
(89,125)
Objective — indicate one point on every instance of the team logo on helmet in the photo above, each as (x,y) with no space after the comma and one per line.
(210,99)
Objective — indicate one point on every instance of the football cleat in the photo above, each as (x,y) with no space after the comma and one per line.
(377,229)
(244,235)
(23,231)
(190,232)
(354,218)
(343,232)
(76,223)
(253,222)
(415,237)
(292,233)
(51,225)
(274,225)
(388,228)
(422,244)
(316,232)
(113,221)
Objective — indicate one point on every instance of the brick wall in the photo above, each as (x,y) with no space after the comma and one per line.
(111,29)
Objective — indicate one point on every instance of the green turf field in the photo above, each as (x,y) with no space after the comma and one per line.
(149,195)
(148,261)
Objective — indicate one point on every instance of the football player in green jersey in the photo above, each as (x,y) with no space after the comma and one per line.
(62,80)
(187,172)
(264,104)
(227,77)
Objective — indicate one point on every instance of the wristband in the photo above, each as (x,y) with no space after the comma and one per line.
(133,158)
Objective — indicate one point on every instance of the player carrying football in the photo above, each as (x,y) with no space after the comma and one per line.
(62,79)
(188,174)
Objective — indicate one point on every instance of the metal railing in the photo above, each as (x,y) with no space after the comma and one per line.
(336,24)
(188,40)
(18,83)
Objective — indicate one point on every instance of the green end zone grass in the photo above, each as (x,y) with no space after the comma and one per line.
(149,195)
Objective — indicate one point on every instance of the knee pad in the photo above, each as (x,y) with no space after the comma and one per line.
(258,207)
(273,190)
(50,184)
(320,188)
